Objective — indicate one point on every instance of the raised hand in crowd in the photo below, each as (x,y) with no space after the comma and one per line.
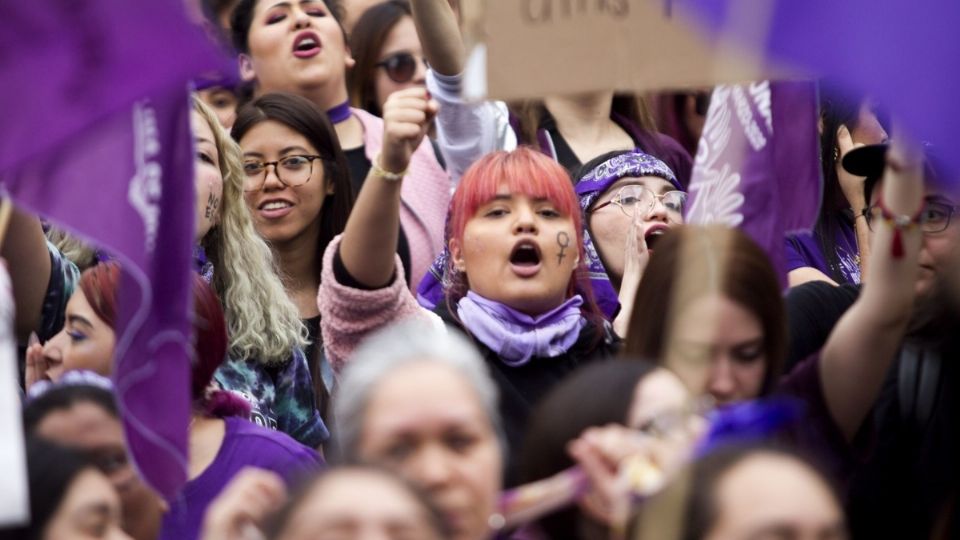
(244,505)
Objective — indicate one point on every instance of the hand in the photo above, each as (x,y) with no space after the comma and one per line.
(37,363)
(241,508)
(850,185)
(635,259)
(406,119)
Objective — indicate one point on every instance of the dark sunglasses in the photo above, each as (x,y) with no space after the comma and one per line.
(401,66)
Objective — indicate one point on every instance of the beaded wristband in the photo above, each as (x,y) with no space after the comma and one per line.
(385,174)
(899,222)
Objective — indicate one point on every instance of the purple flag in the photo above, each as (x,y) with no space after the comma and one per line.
(902,53)
(97,138)
(757,163)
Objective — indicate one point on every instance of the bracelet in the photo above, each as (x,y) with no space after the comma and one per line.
(385,174)
(900,223)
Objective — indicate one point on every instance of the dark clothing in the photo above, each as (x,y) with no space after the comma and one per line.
(909,483)
(658,145)
(522,387)
(816,436)
(359,169)
(812,311)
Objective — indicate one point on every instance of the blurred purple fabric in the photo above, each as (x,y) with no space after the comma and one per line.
(97,138)
(757,163)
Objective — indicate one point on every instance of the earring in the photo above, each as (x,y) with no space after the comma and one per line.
(836,154)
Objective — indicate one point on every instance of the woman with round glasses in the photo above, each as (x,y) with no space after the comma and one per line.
(629,199)
(389,57)
(300,48)
(297,189)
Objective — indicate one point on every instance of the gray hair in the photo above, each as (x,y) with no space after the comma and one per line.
(397,346)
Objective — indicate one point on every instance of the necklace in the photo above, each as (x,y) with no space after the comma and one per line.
(340,113)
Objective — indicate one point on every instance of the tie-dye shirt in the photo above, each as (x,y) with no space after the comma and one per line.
(64,277)
(281,396)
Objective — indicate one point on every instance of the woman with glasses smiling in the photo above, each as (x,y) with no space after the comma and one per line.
(388,53)
(300,47)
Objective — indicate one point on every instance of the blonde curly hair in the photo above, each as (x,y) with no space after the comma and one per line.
(262,322)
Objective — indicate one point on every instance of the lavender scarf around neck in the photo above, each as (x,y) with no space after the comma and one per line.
(517,337)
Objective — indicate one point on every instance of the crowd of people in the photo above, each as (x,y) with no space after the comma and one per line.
(417,316)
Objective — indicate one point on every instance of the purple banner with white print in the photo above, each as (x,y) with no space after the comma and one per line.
(757,164)
(97,139)
(903,54)
(127,186)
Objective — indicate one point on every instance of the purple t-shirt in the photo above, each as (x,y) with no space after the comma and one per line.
(245,444)
(804,250)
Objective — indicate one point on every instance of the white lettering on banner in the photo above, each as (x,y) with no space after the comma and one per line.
(714,189)
(760,92)
(145,186)
(747,120)
(545,11)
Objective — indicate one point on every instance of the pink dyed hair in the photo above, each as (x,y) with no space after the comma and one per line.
(528,172)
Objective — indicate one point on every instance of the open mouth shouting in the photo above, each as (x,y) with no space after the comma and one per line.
(653,234)
(306,44)
(525,258)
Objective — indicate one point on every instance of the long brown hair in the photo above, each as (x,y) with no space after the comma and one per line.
(366,42)
(302,116)
(728,262)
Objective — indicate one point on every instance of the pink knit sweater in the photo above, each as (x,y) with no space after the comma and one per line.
(349,315)
(425,197)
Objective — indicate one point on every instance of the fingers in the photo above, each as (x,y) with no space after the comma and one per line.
(36,363)
(407,115)
(246,502)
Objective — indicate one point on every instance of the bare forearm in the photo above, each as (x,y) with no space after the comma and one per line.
(370,236)
(862,347)
(28,261)
(439,35)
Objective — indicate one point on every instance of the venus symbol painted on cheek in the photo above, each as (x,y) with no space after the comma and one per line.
(563,240)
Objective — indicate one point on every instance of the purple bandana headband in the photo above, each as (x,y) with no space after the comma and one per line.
(589,188)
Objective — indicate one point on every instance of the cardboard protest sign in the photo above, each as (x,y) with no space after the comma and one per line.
(532,48)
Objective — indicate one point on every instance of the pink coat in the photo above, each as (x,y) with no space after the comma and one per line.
(425,197)
(349,315)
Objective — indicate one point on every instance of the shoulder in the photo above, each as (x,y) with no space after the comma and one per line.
(273,449)
(820,294)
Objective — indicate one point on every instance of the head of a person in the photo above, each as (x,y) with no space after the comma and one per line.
(69,497)
(841,107)
(79,412)
(635,394)
(219,11)
(741,492)
(223,101)
(295,46)
(87,338)
(296,180)
(940,252)
(709,307)
(353,10)
(359,502)
(388,54)
(515,233)
(614,190)
(419,400)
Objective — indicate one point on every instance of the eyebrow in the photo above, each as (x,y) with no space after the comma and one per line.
(289,4)
(97,510)
(77,319)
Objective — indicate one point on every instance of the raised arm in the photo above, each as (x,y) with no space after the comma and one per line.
(439,35)
(370,237)
(865,341)
(28,260)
